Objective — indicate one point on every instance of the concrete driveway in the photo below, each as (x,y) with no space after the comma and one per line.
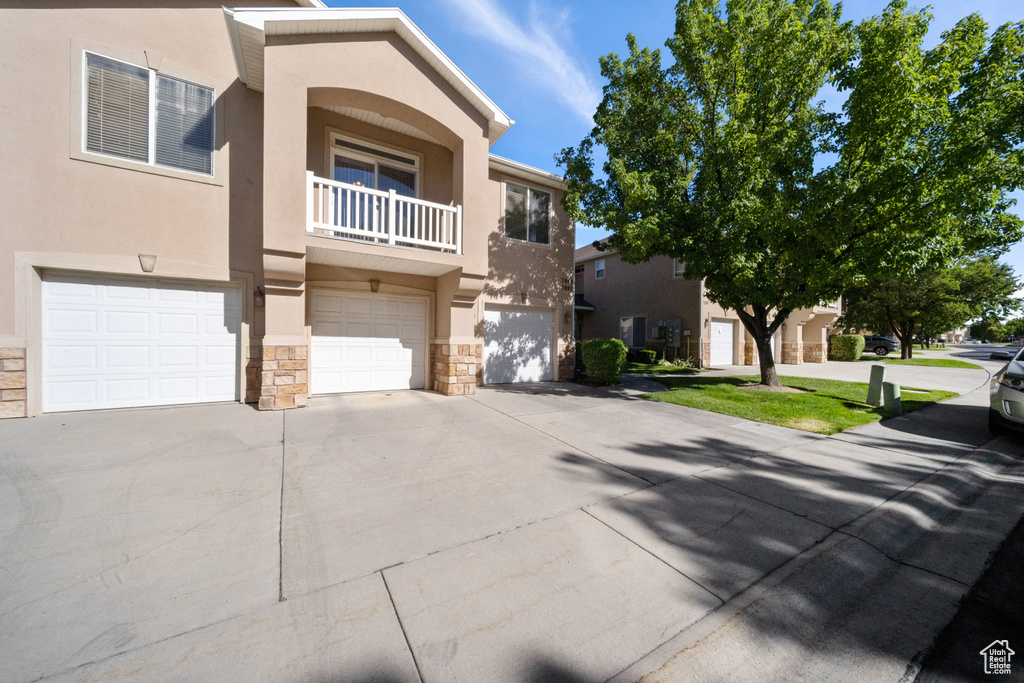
(529,533)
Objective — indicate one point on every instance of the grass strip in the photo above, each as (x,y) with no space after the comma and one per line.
(823,406)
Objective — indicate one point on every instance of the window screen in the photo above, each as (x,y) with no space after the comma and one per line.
(117,109)
(184,125)
(515,212)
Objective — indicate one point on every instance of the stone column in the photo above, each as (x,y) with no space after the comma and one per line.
(749,349)
(284,377)
(815,340)
(457,368)
(792,343)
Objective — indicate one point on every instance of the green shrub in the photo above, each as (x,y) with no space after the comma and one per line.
(683,362)
(604,359)
(846,347)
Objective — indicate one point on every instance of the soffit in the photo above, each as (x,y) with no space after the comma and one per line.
(360,258)
(387,122)
(520,170)
(250,27)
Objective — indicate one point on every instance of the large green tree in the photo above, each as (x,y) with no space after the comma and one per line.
(724,160)
(932,301)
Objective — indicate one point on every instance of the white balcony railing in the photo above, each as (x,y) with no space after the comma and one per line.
(355,212)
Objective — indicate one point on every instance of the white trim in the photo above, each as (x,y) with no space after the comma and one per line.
(603,269)
(306,21)
(523,171)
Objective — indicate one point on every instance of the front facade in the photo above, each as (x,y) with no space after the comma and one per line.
(653,305)
(263,204)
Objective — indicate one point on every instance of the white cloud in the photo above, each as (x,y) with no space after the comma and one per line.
(534,38)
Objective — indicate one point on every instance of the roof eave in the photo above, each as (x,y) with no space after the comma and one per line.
(521,170)
(262,21)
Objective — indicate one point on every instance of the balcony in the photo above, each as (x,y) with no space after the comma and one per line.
(352,212)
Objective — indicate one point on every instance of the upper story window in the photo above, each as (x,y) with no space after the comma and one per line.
(141,115)
(360,163)
(678,268)
(599,269)
(527,214)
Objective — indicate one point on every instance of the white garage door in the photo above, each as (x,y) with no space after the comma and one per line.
(112,342)
(366,342)
(721,342)
(517,345)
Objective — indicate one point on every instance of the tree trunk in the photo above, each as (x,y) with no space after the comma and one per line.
(906,338)
(759,328)
(769,377)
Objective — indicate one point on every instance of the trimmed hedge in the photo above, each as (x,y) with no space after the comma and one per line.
(846,347)
(604,359)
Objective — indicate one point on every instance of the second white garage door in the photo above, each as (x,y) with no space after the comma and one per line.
(366,342)
(517,345)
(721,342)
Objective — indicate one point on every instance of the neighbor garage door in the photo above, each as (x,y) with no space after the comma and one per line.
(721,342)
(517,345)
(113,342)
(366,342)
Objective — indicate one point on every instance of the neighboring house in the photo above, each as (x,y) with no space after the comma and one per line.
(654,305)
(204,204)
(957,336)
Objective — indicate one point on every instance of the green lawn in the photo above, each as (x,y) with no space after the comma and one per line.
(661,369)
(824,406)
(933,363)
(924,362)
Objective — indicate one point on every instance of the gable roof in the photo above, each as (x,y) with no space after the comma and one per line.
(589,252)
(249,28)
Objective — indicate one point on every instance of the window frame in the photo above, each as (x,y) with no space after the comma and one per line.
(633,326)
(600,268)
(368,157)
(678,269)
(152,80)
(529,190)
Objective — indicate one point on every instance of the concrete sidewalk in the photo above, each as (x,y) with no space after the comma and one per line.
(530,533)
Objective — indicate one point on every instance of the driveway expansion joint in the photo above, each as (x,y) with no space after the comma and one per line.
(398,617)
(656,557)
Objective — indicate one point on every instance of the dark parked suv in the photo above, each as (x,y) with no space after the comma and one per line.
(880,345)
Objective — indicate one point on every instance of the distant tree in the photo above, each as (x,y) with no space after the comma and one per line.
(1015,328)
(712,159)
(989,329)
(933,301)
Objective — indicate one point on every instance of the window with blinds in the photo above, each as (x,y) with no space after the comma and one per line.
(138,114)
(527,214)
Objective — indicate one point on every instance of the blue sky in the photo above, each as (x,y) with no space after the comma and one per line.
(538,59)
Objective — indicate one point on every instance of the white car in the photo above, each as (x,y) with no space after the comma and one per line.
(1006,394)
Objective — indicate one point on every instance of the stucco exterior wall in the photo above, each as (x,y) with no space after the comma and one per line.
(55,203)
(540,276)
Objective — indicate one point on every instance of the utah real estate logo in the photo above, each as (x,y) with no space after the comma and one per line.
(997,657)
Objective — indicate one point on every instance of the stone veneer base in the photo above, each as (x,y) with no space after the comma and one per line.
(457,368)
(12,382)
(283,377)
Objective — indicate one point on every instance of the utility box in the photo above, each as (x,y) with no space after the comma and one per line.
(671,331)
